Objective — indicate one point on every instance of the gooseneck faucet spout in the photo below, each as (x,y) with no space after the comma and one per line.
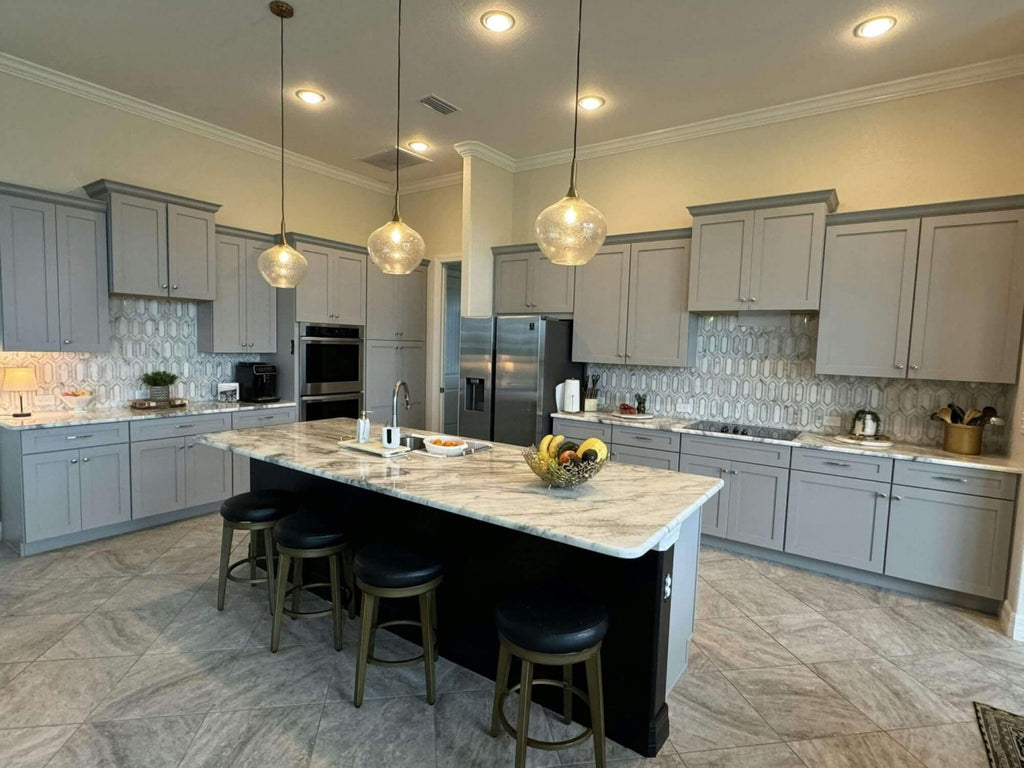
(399,386)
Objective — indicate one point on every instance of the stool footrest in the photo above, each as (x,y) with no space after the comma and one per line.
(311,614)
(371,659)
(245,561)
(536,743)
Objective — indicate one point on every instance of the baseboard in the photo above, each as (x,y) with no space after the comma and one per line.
(1011,623)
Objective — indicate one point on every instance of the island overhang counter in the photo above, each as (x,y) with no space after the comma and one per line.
(630,538)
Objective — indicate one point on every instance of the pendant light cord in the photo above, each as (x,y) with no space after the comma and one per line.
(398,110)
(576,102)
(282,131)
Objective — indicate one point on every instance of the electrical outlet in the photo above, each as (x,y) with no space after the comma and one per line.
(833,421)
(687,406)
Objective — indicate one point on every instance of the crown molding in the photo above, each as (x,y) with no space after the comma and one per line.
(958,77)
(488,153)
(37,73)
(434,182)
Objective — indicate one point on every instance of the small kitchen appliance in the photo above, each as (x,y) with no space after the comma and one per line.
(257,382)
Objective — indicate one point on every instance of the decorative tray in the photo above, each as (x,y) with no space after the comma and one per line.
(877,441)
(376,447)
(157,405)
(635,416)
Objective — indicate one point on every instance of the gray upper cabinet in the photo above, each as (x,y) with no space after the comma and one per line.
(160,244)
(313,294)
(867,298)
(334,289)
(53,272)
(601,309)
(757,504)
(396,305)
(762,254)
(260,303)
(525,282)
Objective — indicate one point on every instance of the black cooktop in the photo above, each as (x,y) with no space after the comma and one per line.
(726,428)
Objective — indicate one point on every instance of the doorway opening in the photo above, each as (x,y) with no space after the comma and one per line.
(451,314)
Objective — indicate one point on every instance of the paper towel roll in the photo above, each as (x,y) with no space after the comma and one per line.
(571,396)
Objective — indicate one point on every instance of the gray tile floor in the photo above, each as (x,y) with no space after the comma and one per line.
(113,654)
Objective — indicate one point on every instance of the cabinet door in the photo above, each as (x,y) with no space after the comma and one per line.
(105,474)
(412,369)
(53,502)
(552,286)
(222,324)
(382,297)
(191,250)
(659,331)
(512,283)
(601,308)
(785,261)
(411,298)
(867,298)
(838,519)
(949,540)
(138,246)
(969,298)
(720,264)
(158,476)
(381,374)
(347,276)
(646,457)
(757,504)
(208,473)
(82,280)
(260,302)
(312,295)
(28,271)
(714,517)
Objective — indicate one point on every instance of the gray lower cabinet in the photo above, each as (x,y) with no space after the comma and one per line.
(158,476)
(838,519)
(208,473)
(714,517)
(645,457)
(578,430)
(526,283)
(757,504)
(106,489)
(263,417)
(949,540)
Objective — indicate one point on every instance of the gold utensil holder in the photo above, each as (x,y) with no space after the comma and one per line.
(960,438)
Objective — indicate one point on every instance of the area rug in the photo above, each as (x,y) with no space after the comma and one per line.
(1003,734)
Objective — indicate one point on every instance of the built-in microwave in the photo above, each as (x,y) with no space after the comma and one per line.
(330,359)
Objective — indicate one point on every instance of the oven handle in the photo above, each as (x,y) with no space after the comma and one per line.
(327,398)
(328,340)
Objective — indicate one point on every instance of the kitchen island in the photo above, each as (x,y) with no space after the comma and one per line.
(630,538)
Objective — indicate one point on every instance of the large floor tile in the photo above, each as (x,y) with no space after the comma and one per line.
(282,738)
(114,633)
(10,670)
(886,633)
(26,638)
(726,568)
(383,733)
(1008,662)
(698,661)
(69,596)
(667,760)
(171,684)
(886,694)
(201,627)
(44,567)
(59,692)
(867,750)
(158,742)
(711,604)
(759,596)
(166,593)
(813,638)
(120,561)
(766,756)
(945,746)
(32,747)
(956,628)
(12,593)
(798,704)
(961,680)
(823,593)
(739,644)
(770,569)
(179,559)
(299,674)
(707,712)
(709,554)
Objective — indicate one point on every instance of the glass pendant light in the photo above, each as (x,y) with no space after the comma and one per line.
(396,248)
(571,231)
(281,265)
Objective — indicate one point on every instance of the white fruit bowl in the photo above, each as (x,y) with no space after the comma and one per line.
(77,402)
(444,450)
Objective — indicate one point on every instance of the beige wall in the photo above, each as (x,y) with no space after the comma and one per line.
(437,215)
(57,141)
(487,196)
(950,145)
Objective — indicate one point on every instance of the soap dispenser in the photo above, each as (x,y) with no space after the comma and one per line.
(363,427)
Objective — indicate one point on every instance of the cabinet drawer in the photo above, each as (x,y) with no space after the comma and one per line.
(940,477)
(85,436)
(736,450)
(262,418)
(646,438)
(581,430)
(180,426)
(646,457)
(843,464)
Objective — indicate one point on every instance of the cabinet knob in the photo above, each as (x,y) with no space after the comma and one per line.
(174,287)
(914,367)
(619,354)
(85,459)
(74,461)
(732,471)
(181,447)
(67,341)
(753,298)
(164,286)
(742,298)
(882,495)
(899,366)
(897,498)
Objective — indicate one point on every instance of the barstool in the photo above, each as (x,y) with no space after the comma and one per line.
(390,572)
(550,629)
(255,512)
(302,536)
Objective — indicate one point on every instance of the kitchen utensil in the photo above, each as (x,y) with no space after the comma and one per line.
(970,415)
(988,415)
(943,414)
(866,424)
(956,413)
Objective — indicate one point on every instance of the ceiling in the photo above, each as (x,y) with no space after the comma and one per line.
(659,63)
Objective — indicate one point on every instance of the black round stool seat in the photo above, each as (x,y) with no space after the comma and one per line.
(310,529)
(552,622)
(394,568)
(259,506)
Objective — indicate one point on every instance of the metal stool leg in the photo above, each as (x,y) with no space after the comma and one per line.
(268,547)
(297,581)
(567,695)
(282,586)
(427,626)
(225,558)
(336,607)
(368,613)
(374,614)
(596,694)
(348,571)
(523,722)
(500,686)
(252,556)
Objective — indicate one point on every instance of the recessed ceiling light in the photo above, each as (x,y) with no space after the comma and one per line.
(310,97)
(419,146)
(874,27)
(498,21)
(591,102)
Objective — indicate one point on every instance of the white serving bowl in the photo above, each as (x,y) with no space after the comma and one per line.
(444,450)
(77,402)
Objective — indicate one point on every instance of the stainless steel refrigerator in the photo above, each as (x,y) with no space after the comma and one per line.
(508,369)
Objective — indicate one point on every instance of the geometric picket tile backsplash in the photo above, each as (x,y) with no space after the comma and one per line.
(765,377)
(146,335)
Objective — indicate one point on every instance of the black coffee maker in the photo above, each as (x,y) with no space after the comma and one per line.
(257,382)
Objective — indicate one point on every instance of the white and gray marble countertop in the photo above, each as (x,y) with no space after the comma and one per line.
(47,419)
(905,451)
(624,511)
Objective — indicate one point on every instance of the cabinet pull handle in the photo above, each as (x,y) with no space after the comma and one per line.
(882,495)
(77,437)
(265,418)
(642,437)
(74,461)
(897,498)
(900,366)
(837,463)
(184,426)
(949,479)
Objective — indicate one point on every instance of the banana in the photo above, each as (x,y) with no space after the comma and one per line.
(543,447)
(556,441)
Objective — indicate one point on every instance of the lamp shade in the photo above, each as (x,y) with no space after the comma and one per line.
(19,380)
(571,231)
(282,266)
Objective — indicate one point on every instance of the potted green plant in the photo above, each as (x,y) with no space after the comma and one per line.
(159,383)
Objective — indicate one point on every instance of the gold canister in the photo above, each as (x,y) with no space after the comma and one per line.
(960,438)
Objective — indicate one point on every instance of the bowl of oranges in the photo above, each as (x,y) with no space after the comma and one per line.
(77,399)
(444,445)
(564,463)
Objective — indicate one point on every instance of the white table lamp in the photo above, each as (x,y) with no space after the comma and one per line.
(19,380)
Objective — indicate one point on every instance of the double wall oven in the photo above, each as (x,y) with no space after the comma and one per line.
(330,371)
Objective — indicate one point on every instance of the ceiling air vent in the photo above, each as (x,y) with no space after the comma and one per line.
(438,104)
(386,159)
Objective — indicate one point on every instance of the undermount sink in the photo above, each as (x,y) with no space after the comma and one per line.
(412,442)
